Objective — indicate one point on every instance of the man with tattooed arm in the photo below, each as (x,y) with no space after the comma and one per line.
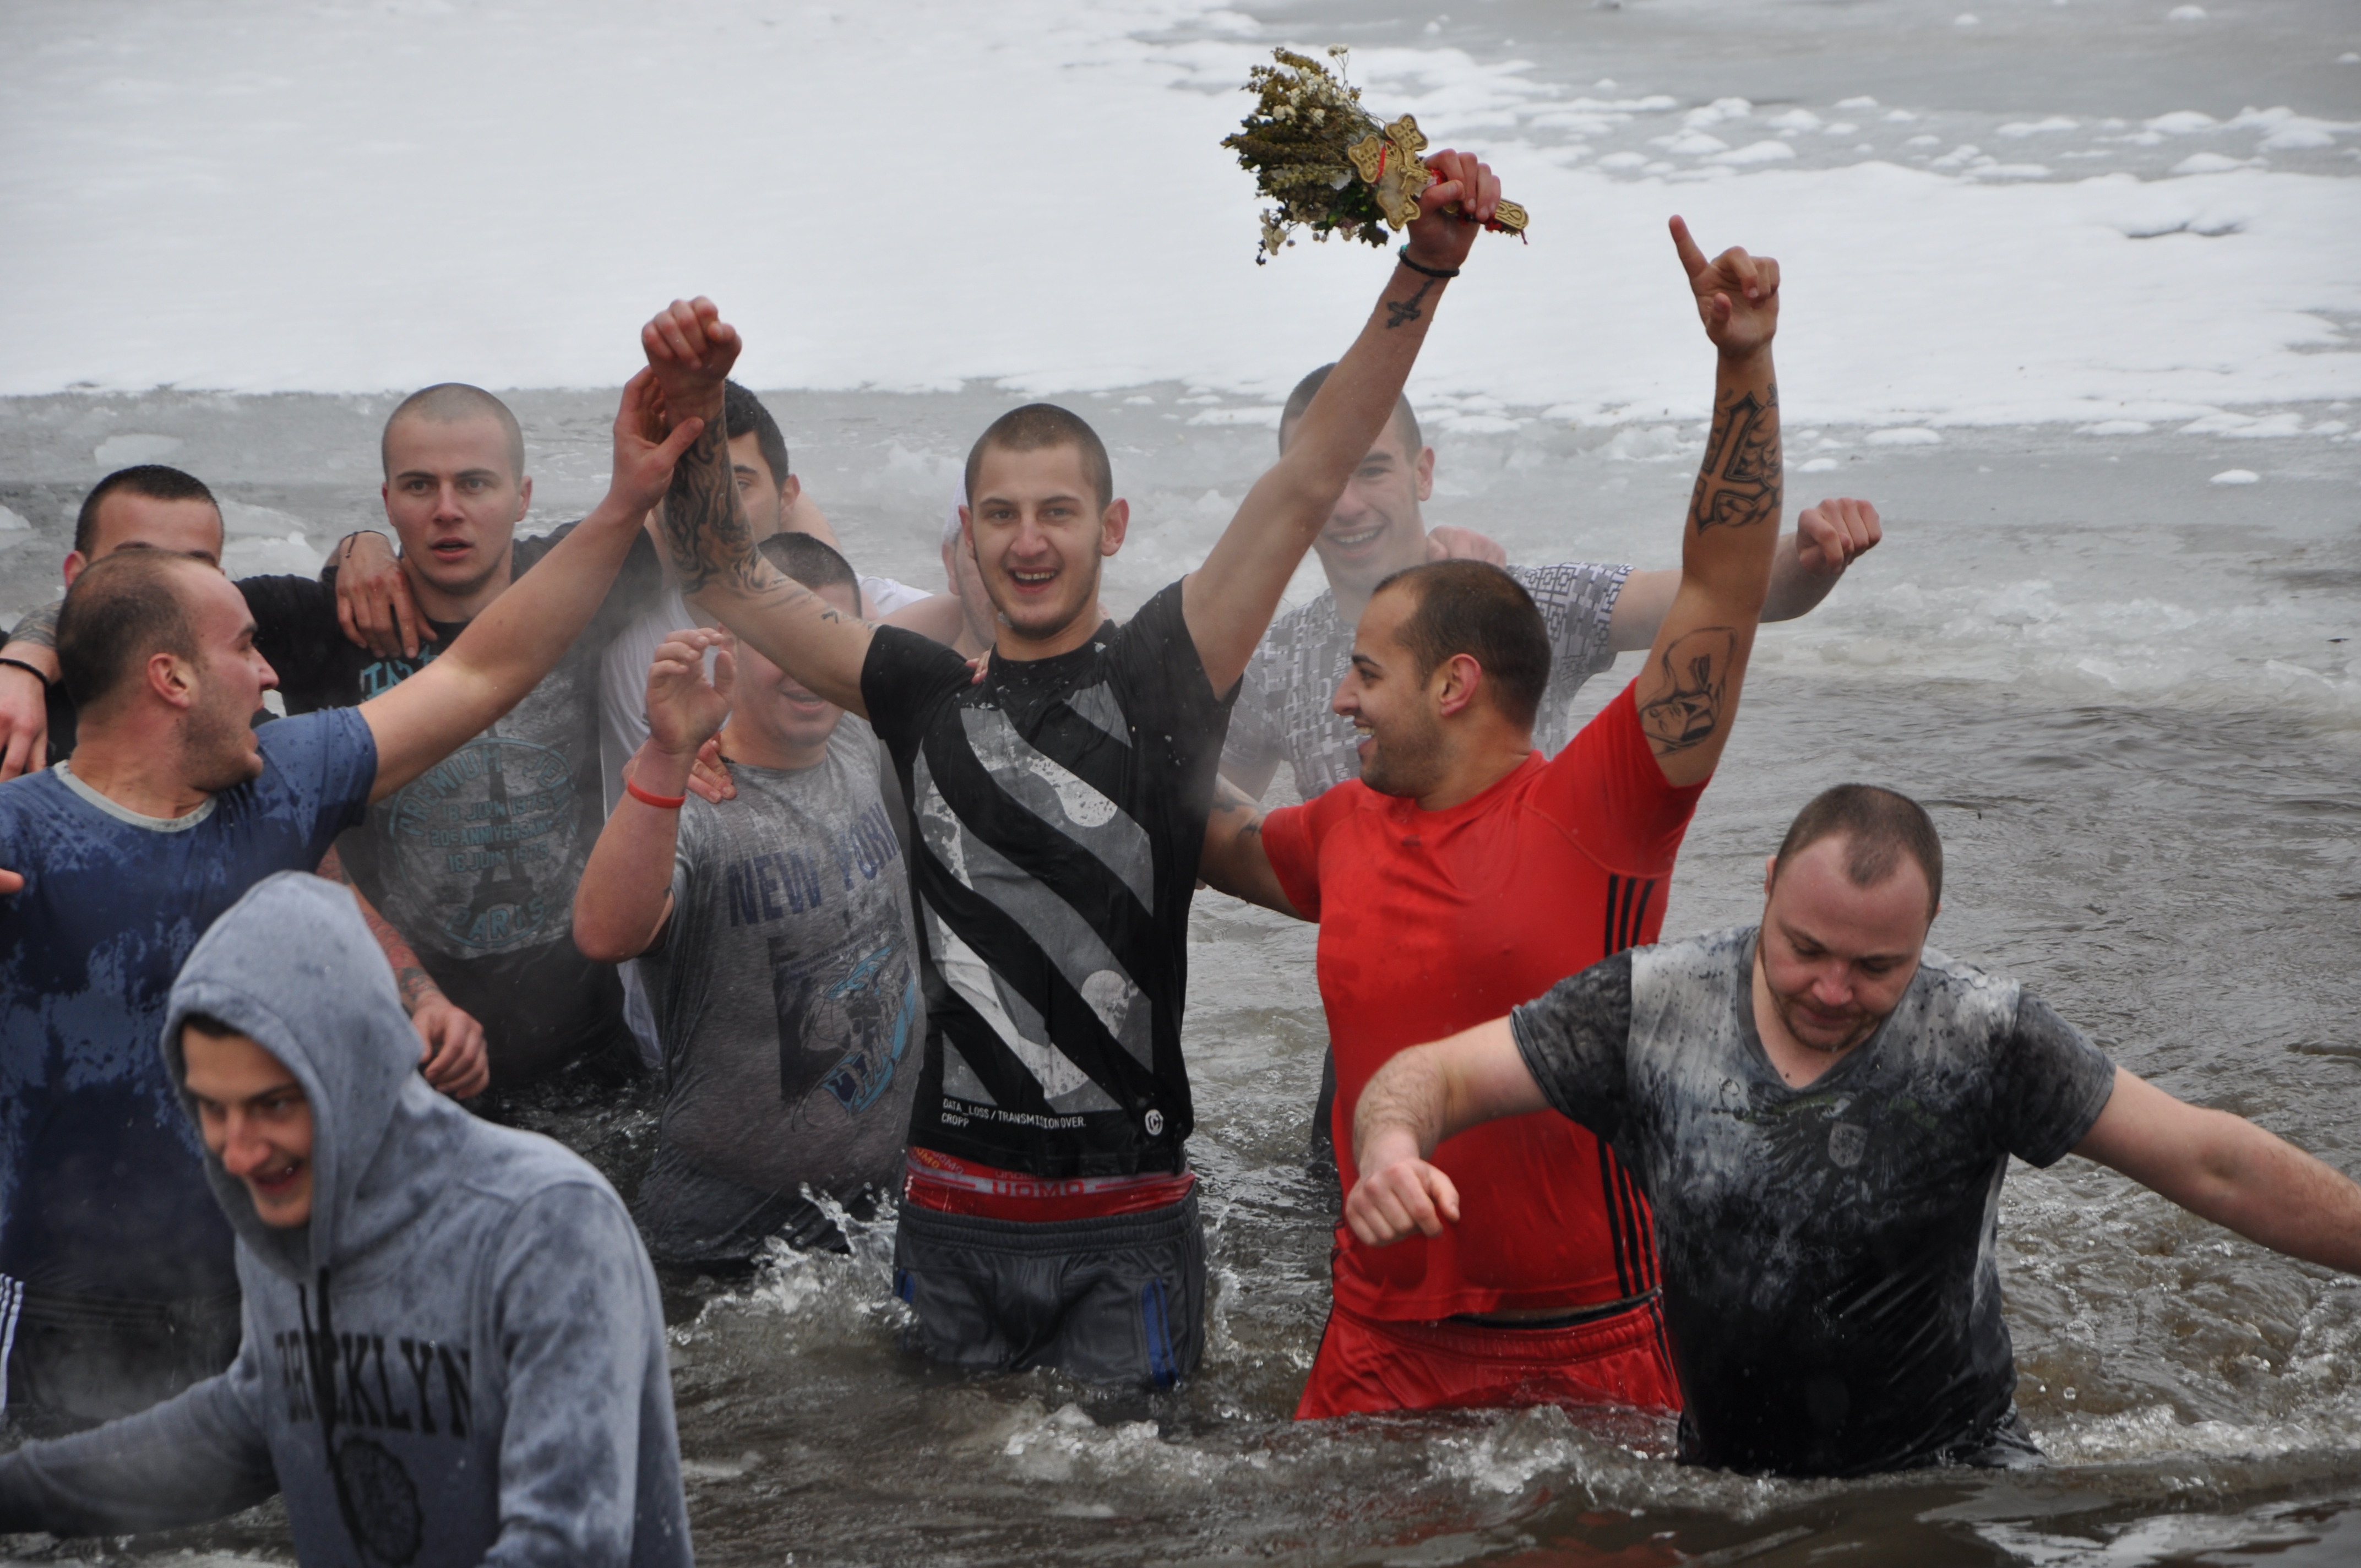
(1049,1217)
(1465,872)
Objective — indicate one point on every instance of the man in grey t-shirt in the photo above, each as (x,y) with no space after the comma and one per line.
(1820,1111)
(773,931)
(1591,611)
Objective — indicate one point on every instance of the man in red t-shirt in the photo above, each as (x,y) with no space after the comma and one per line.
(1464,873)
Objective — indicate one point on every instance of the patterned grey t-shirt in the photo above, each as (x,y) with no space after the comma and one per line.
(786,994)
(1282,712)
(1828,1250)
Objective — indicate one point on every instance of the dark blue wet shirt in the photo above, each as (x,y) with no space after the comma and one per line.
(102,1192)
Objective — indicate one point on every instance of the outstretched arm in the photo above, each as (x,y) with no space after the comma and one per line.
(2230,1171)
(625,897)
(1422,1096)
(1688,693)
(1829,538)
(1229,600)
(199,1456)
(1235,859)
(690,349)
(506,650)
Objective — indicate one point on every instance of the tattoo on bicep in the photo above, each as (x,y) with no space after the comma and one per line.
(1741,481)
(1401,311)
(1682,704)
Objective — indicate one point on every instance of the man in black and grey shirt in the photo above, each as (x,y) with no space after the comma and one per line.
(1821,1109)
(1059,806)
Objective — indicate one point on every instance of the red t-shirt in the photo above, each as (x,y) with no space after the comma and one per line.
(1431,922)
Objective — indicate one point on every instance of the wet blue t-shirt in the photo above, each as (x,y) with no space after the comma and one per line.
(102,1193)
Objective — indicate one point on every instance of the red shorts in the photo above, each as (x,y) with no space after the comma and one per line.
(1366,1365)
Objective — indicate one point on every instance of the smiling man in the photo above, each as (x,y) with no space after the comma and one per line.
(1821,1110)
(1050,1217)
(453,1351)
(114,1272)
(1464,870)
(773,931)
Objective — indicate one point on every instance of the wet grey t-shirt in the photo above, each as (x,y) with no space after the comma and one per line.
(1283,712)
(786,997)
(1828,1250)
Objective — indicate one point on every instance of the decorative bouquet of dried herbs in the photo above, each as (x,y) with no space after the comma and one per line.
(1327,162)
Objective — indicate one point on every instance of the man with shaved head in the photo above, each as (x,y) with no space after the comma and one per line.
(1820,1109)
(116,1280)
(474,864)
(149,506)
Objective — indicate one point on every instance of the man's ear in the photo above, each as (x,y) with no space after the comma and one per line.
(1770,871)
(1425,469)
(173,678)
(790,493)
(1113,526)
(1457,683)
(524,499)
(75,562)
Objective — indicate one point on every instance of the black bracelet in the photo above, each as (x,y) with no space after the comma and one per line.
(1426,272)
(32,670)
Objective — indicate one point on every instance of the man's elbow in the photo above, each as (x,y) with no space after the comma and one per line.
(603,942)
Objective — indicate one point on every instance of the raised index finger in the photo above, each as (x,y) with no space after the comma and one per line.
(1692,258)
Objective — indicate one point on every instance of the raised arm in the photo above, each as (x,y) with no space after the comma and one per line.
(691,349)
(1230,600)
(1829,538)
(1235,860)
(624,899)
(1422,1096)
(1688,692)
(506,650)
(2230,1171)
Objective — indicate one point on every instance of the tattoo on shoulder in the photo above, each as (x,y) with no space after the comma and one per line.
(1401,311)
(1741,481)
(1682,704)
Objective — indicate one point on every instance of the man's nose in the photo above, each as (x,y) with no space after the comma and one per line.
(446,502)
(243,1153)
(1832,987)
(1347,702)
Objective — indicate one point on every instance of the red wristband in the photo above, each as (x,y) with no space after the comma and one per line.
(645,798)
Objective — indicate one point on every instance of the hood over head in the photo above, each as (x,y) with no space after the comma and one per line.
(292,966)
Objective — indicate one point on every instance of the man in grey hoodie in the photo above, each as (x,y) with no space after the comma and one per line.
(453,1351)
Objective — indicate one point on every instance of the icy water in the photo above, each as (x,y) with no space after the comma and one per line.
(2114,657)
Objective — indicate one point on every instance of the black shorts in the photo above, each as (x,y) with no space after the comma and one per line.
(1118,1300)
(73,1363)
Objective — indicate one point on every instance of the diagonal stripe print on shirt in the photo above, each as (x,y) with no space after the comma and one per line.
(1043,923)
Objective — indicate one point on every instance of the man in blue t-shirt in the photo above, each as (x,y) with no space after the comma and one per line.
(117,1287)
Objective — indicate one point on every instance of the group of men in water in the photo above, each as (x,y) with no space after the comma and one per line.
(894,890)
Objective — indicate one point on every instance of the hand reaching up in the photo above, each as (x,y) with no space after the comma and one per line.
(1441,239)
(685,709)
(691,350)
(1737,294)
(647,444)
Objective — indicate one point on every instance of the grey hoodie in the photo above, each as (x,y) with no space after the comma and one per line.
(460,1359)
